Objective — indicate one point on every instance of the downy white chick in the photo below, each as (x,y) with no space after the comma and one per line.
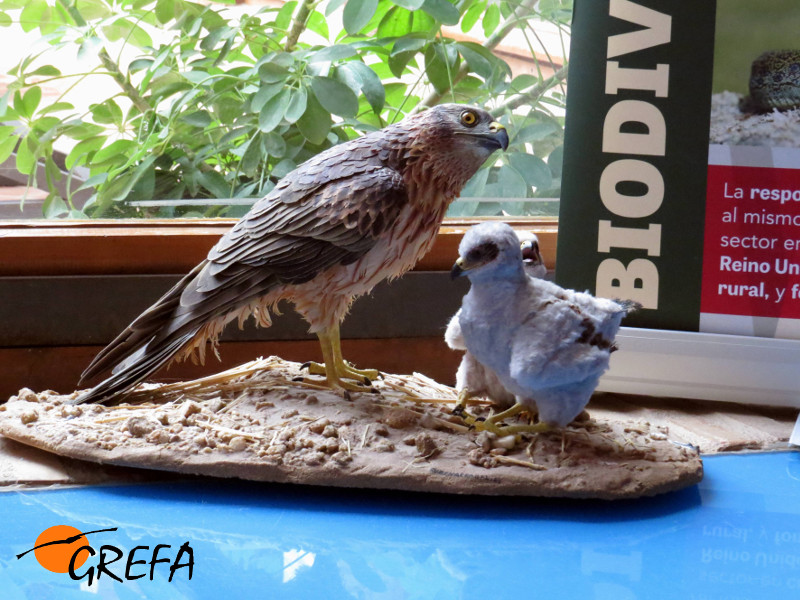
(548,346)
(472,378)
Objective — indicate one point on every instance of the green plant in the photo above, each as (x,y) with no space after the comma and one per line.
(213,102)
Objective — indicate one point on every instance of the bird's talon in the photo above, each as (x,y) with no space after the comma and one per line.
(347,396)
(305,365)
(458,410)
(298,378)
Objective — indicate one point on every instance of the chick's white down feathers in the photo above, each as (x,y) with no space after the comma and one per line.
(546,345)
(471,375)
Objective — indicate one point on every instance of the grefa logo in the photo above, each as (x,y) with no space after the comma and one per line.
(65,549)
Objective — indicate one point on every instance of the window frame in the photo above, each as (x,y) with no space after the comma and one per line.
(106,247)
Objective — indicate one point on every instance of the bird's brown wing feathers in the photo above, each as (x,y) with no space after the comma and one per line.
(305,226)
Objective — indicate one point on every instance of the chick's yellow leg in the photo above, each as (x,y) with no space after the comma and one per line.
(493,423)
(461,404)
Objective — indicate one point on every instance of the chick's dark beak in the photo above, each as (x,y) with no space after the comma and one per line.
(457,271)
(531,253)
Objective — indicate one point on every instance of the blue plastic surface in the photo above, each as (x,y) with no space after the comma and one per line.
(736,535)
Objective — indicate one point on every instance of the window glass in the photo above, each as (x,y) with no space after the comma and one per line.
(170,108)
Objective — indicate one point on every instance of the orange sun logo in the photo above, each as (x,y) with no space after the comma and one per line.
(56,545)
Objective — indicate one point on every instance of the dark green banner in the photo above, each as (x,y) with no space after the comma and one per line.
(636,155)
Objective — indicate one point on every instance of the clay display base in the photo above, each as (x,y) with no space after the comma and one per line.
(254,422)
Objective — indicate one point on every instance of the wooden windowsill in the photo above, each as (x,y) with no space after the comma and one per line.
(105,247)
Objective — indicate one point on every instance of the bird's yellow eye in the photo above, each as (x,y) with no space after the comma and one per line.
(469,118)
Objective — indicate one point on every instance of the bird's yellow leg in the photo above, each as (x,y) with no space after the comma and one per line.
(494,424)
(461,404)
(344,368)
(331,368)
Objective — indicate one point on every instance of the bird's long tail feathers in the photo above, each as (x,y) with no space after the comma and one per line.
(168,326)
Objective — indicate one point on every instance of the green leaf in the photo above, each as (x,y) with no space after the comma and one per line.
(332,6)
(491,19)
(107,113)
(233,135)
(46,71)
(119,188)
(199,118)
(512,183)
(476,185)
(523,82)
(335,96)
(532,168)
(56,107)
(317,23)
(82,131)
(399,22)
(262,96)
(53,207)
(26,159)
(271,72)
(93,182)
(371,84)
(298,101)
(273,144)
(215,36)
(113,151)
(28,102)
(48,127)
(357,13)
(215,183)
(165,11)
(409,4)
(7,142)
(409,43)
(472,15)
(283,168)
(555,160)
(315,122)
(284,17)
(5,19)
(251,158)
(332,53)
(441,65)
(442,11)
(33,14)
(399,62)
(476,59)
(272,112)
(536,132)
(197,76)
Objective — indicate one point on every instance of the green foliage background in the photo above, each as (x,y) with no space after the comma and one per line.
(232,101)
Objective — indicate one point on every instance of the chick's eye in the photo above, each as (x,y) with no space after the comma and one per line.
(469,118)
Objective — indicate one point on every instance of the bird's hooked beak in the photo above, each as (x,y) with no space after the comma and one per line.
(458,269)
(500,134)
(476,257)
(495,139)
